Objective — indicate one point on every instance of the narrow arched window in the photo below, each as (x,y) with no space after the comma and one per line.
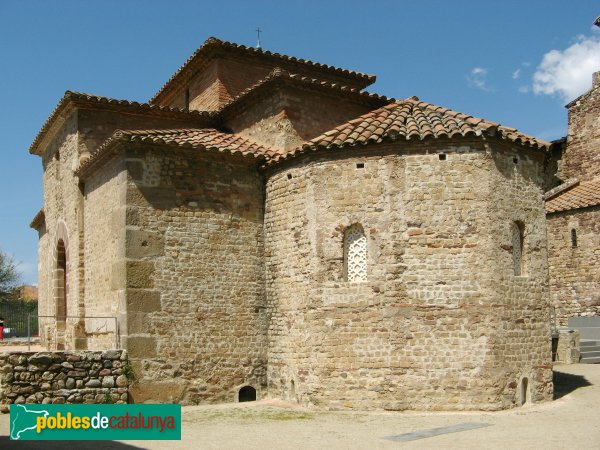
(573,237)
(355,254)
(518,246)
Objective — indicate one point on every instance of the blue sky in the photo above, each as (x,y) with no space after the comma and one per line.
(513,62)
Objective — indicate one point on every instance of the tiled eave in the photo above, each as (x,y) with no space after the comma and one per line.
(73,100)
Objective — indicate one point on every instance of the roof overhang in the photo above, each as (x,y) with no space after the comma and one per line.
(72,101)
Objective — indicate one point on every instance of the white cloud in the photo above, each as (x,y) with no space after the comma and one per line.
(516,74)
(568,73)
(477,78)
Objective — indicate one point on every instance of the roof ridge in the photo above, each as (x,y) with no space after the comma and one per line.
(561,188)
(213,42)
(572,195)
(278,74)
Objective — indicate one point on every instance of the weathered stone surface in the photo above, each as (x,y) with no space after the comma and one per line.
(141,346)
(574,234)
(170,392)
(111,354)
(215,266)
(94,383)
(59,383)
(40,358)
(143,300)
(421,240)
(141,244)
(122,381)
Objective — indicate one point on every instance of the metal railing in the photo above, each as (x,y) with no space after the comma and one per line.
(15,314)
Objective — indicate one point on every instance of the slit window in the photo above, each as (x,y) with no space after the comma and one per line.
(573,237)
(518,248)
(442,156)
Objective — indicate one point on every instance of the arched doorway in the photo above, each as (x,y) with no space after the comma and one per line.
(60,294)
(247,394)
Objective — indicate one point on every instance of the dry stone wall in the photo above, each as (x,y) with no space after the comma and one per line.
(64,377)
(426,329)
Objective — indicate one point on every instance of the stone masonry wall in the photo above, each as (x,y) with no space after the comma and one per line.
(62,208)
(196,322)
(423,332)
(581,158)
(63,377)
(289,116)
(104,246)
(574,271)
(521,305)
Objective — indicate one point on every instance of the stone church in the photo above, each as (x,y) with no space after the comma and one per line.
(265,227)
(573,211)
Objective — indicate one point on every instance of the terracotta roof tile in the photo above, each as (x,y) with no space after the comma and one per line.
(201,139)
(213,43)
(575,196)
(81,98)
(412,119)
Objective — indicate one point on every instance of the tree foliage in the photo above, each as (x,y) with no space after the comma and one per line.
(9,275)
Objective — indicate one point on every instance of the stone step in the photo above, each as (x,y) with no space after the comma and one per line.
(588,344)
(588,333)
(594,360)
(588,354)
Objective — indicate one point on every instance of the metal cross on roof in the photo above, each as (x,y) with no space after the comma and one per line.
(258,30)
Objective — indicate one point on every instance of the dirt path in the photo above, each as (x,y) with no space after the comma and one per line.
(570,422)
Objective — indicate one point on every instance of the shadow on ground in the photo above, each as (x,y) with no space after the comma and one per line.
(6,443)
(565,383)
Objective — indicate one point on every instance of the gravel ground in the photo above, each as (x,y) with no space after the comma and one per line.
(572,421)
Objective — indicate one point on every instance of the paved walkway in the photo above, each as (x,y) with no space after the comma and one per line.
(570,422)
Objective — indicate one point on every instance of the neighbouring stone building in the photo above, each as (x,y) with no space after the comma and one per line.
(265,227)
(573,212)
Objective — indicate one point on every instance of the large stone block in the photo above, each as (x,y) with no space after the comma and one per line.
(143,300)
(140,244)
(134,274)
(140,346)
(157,392)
